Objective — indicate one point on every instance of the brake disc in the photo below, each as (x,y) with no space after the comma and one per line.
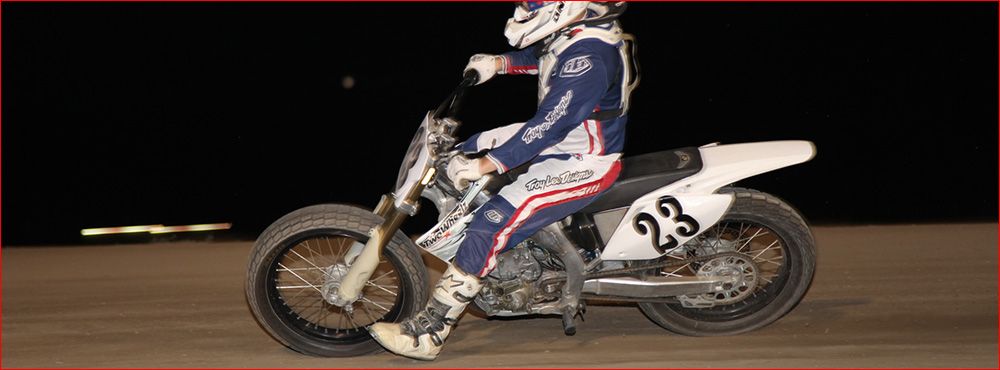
(738,267)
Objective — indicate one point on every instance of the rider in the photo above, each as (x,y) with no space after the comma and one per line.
(572,147)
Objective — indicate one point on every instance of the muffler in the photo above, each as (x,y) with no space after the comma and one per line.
(657,287)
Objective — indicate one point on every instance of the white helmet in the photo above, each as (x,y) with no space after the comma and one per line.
(533,20)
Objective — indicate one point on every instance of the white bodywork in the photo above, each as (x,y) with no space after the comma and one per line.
(414,174)
(674,213)
(444,238)
(633,239)
(695,195)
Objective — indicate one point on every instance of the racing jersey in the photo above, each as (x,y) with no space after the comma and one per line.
(578,78)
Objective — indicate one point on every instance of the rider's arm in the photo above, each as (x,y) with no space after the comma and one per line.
(487,140)
(576,88)
(518,62)
(513,63)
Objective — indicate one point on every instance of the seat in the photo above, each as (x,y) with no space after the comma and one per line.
(647,172)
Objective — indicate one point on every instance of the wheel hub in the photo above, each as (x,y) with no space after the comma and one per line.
(742,274)
(333,277)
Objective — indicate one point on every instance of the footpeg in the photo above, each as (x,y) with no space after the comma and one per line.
(568,321)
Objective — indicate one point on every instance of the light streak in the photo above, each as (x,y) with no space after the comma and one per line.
(154,229)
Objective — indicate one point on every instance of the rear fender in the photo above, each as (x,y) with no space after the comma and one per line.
(666,218)
(726,164)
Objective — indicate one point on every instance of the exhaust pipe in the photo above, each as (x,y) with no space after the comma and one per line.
(656,287)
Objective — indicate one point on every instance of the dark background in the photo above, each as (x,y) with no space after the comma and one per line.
(182,113)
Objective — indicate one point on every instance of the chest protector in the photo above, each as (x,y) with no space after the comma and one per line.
(548,56)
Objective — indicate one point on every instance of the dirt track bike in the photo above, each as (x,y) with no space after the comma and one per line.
(698,256)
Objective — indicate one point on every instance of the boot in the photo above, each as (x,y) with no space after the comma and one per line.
(422,335)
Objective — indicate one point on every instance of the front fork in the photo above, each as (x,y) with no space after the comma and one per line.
(364,265)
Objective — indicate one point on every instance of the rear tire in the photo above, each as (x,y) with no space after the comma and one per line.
(293,259)
(760,214)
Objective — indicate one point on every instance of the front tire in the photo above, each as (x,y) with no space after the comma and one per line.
(302,254)
(777,238)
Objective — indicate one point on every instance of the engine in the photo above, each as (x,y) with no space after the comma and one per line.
(514,287)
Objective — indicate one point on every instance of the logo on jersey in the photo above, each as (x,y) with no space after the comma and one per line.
(576,66)
(494,216)
(558,112)
(567,177)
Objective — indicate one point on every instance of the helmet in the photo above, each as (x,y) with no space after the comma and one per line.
(533,20)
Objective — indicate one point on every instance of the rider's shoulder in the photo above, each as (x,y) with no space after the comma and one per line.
(592,48)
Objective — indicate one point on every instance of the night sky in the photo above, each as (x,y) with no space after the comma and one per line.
(182,113)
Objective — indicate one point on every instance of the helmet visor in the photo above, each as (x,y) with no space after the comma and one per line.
(526,10)
(530,6)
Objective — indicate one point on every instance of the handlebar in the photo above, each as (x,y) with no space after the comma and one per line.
(453,101)
(471,78)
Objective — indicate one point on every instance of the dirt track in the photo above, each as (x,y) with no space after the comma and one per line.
(884,296)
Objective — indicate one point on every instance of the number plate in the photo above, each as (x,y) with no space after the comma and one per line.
(655,225)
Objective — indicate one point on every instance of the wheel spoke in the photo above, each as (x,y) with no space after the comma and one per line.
(376,304)
(744,238)
(342,252)
(679,258)
(329,312)
(381,276)
(296,296)
(743,228)
(329,247)
(350,320)
(306,246)
(771,260)
(299,269)
(766,249)
(340,323)
(674,273)
(717,231)
(325,273)
(309,310)
(294,287)
(309,267)
(740,249)
(381,288)
(368,313)
(300,278)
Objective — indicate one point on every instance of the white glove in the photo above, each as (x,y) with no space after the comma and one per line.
(485,64)
(462,170)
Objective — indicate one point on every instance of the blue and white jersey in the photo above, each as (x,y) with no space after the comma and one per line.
(580,74)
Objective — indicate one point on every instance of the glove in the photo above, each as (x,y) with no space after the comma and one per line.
(462,170)
(485,64)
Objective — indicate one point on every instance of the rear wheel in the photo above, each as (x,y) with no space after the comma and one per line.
(776,264)
(300,258)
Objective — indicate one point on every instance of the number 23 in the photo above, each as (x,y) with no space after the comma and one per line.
(667,207)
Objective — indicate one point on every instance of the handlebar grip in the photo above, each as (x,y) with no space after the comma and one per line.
(470,78)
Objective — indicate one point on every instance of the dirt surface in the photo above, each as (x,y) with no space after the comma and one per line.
(883,296)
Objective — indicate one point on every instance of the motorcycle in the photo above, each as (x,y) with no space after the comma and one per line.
(698,256)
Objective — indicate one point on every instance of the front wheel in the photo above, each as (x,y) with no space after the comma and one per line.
(300,258)
(766,231)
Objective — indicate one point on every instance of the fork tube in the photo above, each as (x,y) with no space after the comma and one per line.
(364,265)
(367,261)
